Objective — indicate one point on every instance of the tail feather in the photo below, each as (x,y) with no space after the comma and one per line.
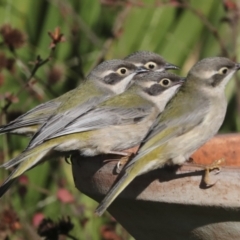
(123,182)
(26,154)
(3,130)
(17,160)
(22,167)
(6,185)
(8,128)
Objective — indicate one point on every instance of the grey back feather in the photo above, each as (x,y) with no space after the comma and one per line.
(34,116)
(59,121)
(174,125)
(105,117)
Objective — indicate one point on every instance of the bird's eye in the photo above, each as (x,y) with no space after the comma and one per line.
(150,65)
(223,70)
(122,71)
(165,82)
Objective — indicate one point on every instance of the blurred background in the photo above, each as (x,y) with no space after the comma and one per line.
(93,30)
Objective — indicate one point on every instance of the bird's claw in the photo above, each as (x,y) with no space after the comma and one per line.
(213,166)
(122,162)
(67,159)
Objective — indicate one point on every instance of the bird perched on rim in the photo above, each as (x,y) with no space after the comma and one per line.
(108,78)
(31,121)
(122,121)
(192,117)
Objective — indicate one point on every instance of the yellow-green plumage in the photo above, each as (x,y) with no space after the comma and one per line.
(123,121)
(31,121)
(190,119)
(92,91)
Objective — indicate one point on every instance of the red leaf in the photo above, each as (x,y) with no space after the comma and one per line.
(109,233)
(65,196)
(37,219)
(23,180)
(229,5)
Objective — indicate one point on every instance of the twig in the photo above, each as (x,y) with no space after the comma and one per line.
(56,37)
(91,35)
(38,64)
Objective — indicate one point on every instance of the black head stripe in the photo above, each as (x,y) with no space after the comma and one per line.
(112,79)
(154,90)
(216,79)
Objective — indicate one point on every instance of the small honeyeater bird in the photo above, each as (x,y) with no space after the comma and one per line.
(118,123)
(192,117)
(109,78)
(31,121)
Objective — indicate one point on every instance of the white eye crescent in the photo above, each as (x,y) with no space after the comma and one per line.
(165,82)
(151,65)
(122,71)
(223,70)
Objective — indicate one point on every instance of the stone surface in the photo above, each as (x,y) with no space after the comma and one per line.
(173,203)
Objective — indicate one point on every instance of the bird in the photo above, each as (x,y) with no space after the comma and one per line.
(191,118)
(118,123)
(106,80)
(150,60)
(30,122)
(103,81)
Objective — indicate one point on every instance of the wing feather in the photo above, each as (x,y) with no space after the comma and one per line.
(178,118)
(36,116)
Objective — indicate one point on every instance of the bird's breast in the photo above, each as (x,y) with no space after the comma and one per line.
(186,144)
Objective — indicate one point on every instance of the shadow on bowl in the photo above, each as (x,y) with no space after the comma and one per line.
(170,203)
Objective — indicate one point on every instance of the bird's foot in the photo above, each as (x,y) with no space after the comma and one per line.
(213,166)
(67,159)
(126,156)
(122,162)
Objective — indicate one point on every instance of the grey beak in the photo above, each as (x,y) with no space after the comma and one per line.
(170,66)
(237,66)
(182,80)
(142,70)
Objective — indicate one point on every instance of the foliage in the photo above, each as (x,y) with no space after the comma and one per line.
(181,31)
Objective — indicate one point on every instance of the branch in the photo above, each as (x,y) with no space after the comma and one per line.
(56,37)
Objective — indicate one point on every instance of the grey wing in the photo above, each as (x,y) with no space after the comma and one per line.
(36,116)
(95,119)
(106,116)
(58,122)
(163,131)
(179,117)
(181,125)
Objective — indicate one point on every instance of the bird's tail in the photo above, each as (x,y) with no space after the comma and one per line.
(21,168)
(5,186)
(26,160)
(122,183)
(27,154)
(2,130)
(8,128)
(136,167)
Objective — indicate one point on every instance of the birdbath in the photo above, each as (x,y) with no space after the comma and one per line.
(172,203)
